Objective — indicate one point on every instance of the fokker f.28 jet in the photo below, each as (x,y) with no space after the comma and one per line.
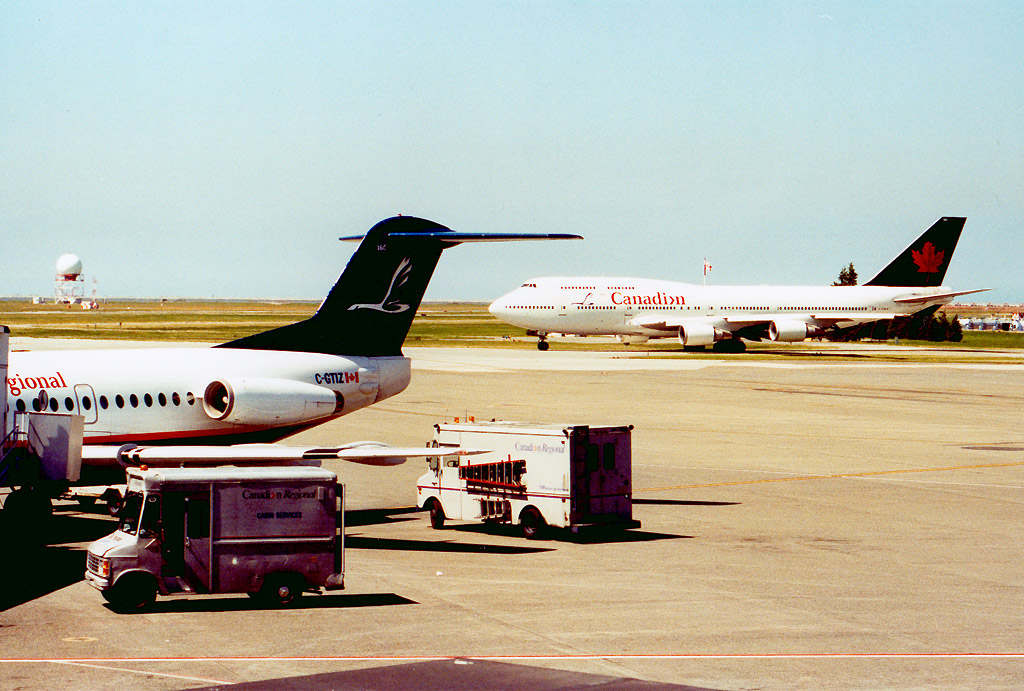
(638,309)
(244,394)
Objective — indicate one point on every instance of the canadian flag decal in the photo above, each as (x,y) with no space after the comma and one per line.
(928,260)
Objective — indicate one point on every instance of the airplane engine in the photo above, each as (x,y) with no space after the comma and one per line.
(699,335)
(789,331)
(264,401)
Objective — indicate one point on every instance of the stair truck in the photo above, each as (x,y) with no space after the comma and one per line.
(534,475)
(269,532)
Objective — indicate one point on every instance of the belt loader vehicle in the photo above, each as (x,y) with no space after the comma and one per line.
(269,532)
(534,476)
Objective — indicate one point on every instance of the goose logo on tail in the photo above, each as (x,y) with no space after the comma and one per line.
(390,304)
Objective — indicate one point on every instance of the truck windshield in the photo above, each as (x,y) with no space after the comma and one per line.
(130,513)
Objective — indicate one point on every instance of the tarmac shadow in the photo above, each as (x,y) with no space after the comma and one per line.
(683,502)
(361,542)
(360,517)
(223,603)
(42,568)
(587,535)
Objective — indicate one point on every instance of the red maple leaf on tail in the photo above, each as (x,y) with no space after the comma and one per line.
(928,260)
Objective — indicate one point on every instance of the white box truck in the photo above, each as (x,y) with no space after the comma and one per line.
(534,476)
(269,532)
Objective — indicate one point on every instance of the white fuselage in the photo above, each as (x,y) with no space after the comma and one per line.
(656,308)
(159,395)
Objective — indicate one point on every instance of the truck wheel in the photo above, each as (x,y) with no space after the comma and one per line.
(281,589)
(532,523)
(114,502)
(132,592)
(436,515)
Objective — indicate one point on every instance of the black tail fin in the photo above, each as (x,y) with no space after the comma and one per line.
(924,263)
(371,307)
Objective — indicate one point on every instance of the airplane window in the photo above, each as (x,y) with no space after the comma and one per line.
(86,403)
(175,398)
(190,398)
(54,405)
(149,400)
(69,404)
(119,400)
(162,399)
(103,402)
(20,405)
(134,400)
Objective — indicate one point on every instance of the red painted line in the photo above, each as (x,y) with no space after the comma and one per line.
(406,658)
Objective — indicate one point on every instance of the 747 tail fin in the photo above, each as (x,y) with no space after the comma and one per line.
(371,307)
(924,263)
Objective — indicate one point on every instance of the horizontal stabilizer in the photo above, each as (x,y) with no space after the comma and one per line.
(945,297)
(450,237)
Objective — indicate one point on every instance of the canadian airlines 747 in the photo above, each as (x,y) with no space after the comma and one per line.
(637,309)
(260,388)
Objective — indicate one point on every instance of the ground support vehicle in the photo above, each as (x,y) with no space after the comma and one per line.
(534,476)
(269,532)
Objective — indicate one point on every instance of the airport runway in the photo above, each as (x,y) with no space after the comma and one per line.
(805,526)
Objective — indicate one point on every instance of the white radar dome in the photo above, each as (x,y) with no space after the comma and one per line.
(69,265)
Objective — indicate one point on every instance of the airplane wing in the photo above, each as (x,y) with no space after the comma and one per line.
(365,452)
(659,322)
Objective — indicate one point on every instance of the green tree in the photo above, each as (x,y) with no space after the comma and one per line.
(847,276)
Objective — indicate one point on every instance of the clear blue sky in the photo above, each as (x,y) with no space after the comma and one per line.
(220,149)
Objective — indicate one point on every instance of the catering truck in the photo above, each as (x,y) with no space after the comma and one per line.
(534,476)
(269,532)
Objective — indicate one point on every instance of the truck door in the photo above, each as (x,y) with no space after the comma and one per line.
(595,469)
(186,547)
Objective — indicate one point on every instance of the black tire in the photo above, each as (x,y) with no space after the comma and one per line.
(543,345)
(281,589)
(114,502)
(132,592)
(532,523)
(436,514)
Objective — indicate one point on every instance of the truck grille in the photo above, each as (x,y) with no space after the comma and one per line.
(92,562)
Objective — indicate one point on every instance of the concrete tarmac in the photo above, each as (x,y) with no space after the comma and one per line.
(836,525)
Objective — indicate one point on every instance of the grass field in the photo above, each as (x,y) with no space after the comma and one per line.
(436,324)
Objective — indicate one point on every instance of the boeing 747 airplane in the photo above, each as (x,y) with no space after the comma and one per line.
(638,309)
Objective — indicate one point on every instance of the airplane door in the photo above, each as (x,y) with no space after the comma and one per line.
(197,544)
(86,399)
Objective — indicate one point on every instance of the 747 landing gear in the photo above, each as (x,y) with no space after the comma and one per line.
(729,345)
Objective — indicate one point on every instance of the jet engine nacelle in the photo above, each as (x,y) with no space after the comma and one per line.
(265,401)
(790,331)
(699,334)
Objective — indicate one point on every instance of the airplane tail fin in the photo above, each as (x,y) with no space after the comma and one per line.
(371,307)
(924,263)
